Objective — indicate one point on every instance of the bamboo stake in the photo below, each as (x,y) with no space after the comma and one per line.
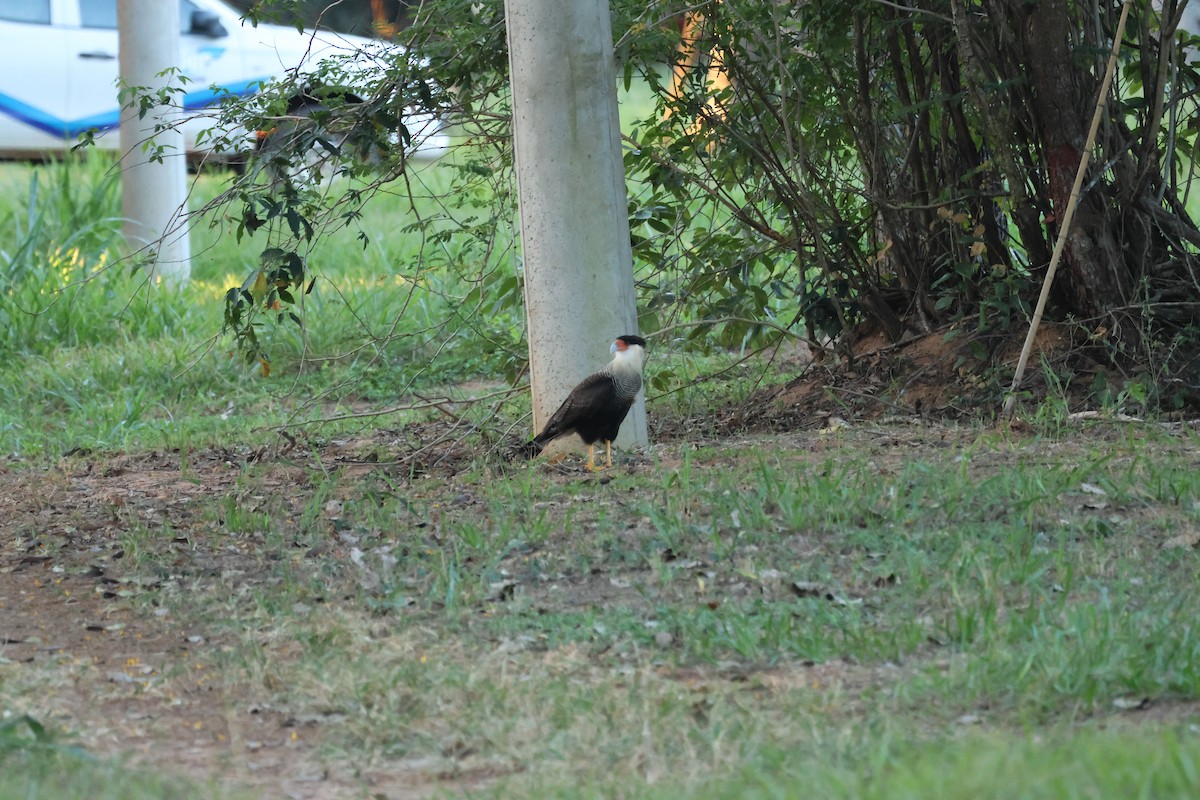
(1065,225)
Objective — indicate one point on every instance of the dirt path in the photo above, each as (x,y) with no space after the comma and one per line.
(81,651)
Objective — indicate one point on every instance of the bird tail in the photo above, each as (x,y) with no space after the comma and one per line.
(538,443)
(526,449)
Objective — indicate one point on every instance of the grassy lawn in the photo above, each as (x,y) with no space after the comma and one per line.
(894,610)
(193,603)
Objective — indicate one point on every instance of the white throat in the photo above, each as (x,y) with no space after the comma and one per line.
(630,359)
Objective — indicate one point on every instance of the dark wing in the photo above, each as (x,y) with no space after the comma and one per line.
(594,394)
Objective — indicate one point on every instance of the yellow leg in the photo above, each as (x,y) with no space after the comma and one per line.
(608,452)
(591,465)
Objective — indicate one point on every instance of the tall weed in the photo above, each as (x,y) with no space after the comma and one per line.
(62,283)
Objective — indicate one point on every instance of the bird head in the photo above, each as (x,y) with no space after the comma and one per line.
(627,341)
(629,349)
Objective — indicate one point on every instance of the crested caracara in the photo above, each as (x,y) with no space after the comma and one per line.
(596,407)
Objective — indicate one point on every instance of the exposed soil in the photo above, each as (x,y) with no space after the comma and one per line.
(936,376)
(130,679)
(134,682)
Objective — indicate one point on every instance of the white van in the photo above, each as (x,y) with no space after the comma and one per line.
(58,71)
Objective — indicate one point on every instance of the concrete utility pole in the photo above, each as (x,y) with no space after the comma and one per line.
(153,195)
(579,292)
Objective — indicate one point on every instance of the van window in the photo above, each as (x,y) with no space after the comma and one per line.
(35,11)
(185,16)
(98,13)
(103,13)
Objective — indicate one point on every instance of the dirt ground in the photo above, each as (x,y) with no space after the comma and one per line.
(130,681)
(133,682)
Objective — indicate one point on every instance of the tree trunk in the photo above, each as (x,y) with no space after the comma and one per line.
(579,292)
(153,193)
(1096,281)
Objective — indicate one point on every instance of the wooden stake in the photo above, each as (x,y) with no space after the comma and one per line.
(1065,224)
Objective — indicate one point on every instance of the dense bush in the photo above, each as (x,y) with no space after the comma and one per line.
(816,167)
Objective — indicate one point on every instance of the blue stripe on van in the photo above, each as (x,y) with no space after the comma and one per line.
(71,129)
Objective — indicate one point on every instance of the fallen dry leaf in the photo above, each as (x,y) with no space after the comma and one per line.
(1189,539)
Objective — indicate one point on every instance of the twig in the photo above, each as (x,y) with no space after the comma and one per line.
(438,404)
(913,10)
(713,375)
(782,329)
(1068,216)
(908,412)
(717,194)
(675,13)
